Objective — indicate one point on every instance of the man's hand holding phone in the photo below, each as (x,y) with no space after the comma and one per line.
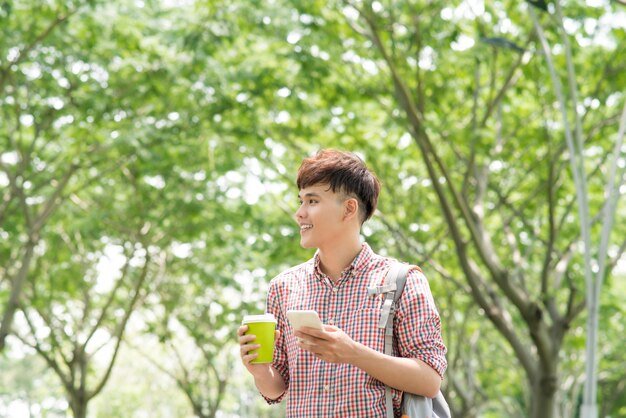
(326,342)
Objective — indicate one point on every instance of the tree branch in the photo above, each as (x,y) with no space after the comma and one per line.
(53,201)
(24,52)
(109,302)
(508,83)
(122,326)
(65,380)
(17,283)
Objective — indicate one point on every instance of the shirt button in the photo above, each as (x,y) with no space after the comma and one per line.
(335,290)
(326,388)
(331,322)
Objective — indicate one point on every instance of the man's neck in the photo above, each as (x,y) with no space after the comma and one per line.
(335,259)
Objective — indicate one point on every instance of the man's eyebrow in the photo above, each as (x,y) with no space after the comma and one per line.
(309,194)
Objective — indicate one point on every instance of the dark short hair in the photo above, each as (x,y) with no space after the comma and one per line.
(345,173)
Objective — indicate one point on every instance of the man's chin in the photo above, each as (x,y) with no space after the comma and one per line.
(306,244)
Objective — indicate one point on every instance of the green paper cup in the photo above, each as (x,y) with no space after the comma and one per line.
(263,326)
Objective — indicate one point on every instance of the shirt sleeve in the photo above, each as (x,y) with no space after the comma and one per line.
(280,361)
(418,325)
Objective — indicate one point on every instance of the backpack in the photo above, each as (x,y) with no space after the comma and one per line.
(413,406)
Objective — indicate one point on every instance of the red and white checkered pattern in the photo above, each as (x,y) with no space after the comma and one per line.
(319,389)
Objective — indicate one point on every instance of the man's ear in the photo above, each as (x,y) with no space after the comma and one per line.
(350,208)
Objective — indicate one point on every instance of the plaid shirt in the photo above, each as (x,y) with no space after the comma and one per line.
(319,389)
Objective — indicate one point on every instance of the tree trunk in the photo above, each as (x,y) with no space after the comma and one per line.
(544,390)
(78,404)
(198,411)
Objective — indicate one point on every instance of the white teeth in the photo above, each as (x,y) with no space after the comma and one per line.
(303,227)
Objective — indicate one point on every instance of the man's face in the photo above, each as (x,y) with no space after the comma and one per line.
(320,216)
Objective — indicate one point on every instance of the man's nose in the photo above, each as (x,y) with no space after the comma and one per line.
(299,212)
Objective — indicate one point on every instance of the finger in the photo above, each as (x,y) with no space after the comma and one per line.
(246,339)
(249,357)
(306,344)
(276,335)
(242,330)
(245,349)
(308,337)
(316,352)
(313,332)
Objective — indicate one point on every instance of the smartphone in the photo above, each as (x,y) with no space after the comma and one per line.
(299,319)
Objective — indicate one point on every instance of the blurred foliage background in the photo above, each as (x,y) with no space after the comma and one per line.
(148,152)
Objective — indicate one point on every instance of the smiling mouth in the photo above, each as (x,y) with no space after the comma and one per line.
(305,227)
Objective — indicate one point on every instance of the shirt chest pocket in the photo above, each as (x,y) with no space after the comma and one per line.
(363,327)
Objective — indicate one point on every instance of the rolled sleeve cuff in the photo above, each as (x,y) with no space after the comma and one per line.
(438,363)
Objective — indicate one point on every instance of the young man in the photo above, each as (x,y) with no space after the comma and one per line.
(341,371)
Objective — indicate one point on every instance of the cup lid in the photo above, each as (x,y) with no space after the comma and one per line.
(268,317)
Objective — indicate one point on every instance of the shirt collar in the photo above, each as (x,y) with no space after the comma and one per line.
(363,258)
(359,263)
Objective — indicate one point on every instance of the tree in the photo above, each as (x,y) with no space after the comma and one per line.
(32,121)
(188,123)
(72,314)
(592,258)
(515,236)
(78,139)
(480,213)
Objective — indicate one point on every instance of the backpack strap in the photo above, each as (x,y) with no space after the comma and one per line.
(392,288)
